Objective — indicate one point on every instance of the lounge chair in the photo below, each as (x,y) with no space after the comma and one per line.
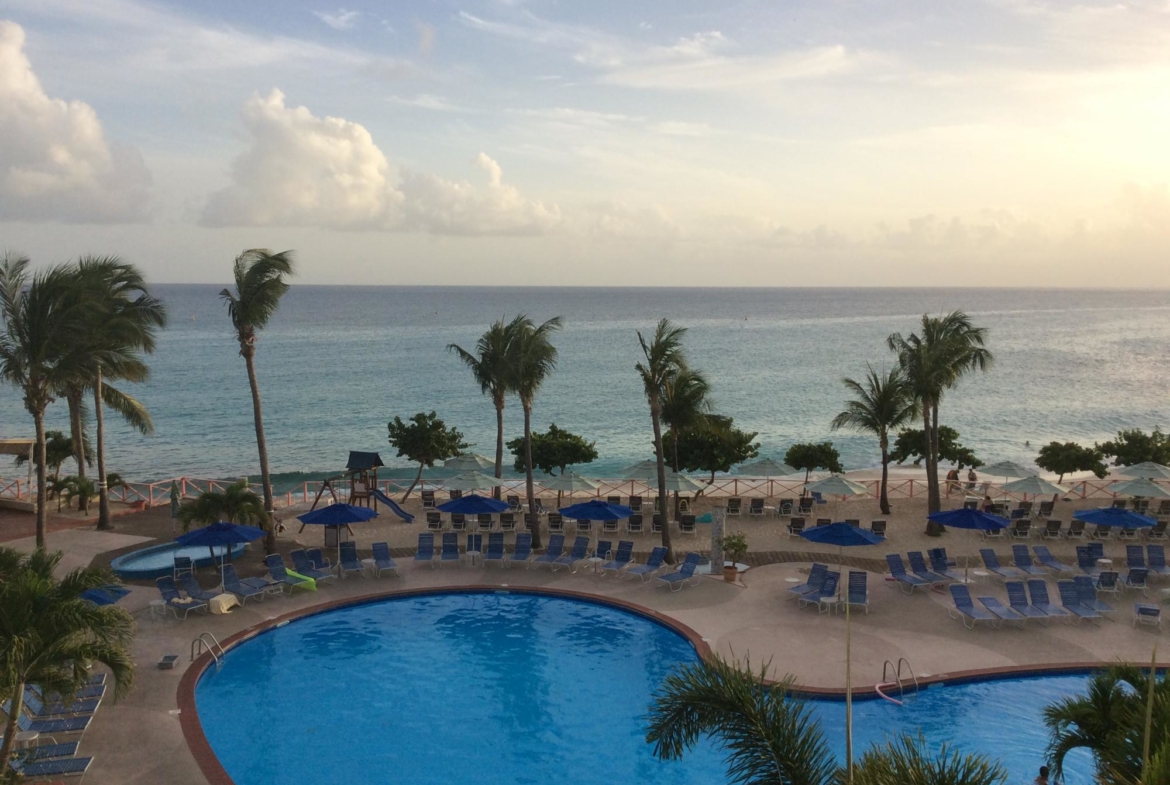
(920,570)
(1125,533)
(603,551)
(42,710)
(1147,614)
(1038,591)
(634,523)
(495,549)
(785,508)
(513,503)
(656,523)
(244,591)
(576,554)
(1137,578)
(857,592)
(348,558)
(878,528)
(556,522)
(898,573)
(940,565)
(449,550)
(174,601)
(991,562)
(584,525)
(1087,562)
(965,610)
(1087,593)
(1047,560)
(428,501)
(734,505)
(825,597)
(1052,530)
(1101,532)
(46,751)
(824,521)
(1158,530)
(523,550)
(1110,581)
(425,553)
(554,551)
(1163,508)
(434,521)
(1156,560)
(805,505)
(1070,598)
(621,558)
(1001,611)
(1096,549)
(1076,530)
(278,574)
(614,500)
(454,494)
(686,572)
(1023,560)
(756,507)
(1018,600)
(318,560)
(383,561)
(651,567)
(610,526)
(686,524)
(52,767)
(816,577)
(303,565)
(194,590)
(486,521)
(1022,529)
(507,521)
(795,527)
(88,691)
(62,727)
(1135,556)
(1045,510)
(458,522)
(636,504)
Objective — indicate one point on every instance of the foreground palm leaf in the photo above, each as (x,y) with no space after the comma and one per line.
(906,760)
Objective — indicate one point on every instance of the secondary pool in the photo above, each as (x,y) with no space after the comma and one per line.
(159,560)
(521,688)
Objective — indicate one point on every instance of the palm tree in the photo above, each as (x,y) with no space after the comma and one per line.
(664,359)
(685,407)
(531,359)
(260,283)
(237,503)
(43,322)
(489,367)
(950,347)
(881,403)
(49,635)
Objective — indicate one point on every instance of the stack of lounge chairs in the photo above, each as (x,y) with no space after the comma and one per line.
(59,725)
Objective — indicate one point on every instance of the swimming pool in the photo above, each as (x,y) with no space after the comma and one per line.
(159,560)
(520,688)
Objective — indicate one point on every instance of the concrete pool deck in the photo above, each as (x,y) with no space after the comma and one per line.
(139,739)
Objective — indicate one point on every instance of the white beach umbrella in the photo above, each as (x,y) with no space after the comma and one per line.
(1145,488)
(1007,469)
(836,485)
(680,483)
(569,481)
(1146,469)
(766,468)
(469,462)
(1034,486)
(471,481)
(642,470)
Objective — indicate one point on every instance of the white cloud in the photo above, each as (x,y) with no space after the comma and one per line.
(55,162)
(339,19)
(304,170)
(435,103)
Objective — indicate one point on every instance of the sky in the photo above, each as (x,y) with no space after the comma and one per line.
(613,142)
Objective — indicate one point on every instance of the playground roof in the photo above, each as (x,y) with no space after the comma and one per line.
(363,461)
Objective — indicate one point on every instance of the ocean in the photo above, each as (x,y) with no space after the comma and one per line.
(338,362)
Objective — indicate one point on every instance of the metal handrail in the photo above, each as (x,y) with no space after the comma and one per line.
(898,681)
(199,645)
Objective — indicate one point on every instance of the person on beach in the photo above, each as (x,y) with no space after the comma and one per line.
(952,480)
(987,504)
(971,478)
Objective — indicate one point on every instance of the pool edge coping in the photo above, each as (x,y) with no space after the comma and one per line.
(215,774)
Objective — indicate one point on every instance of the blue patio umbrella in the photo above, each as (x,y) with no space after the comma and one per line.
(844,535)
(1114,516)
(596,510)
(337,515)
(220,533)
(474,504)
(971,520)
(105,595)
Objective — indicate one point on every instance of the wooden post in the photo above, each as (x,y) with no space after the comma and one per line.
(718,522)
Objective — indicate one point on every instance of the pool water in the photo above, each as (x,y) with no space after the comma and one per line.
(520,688)
(159,560)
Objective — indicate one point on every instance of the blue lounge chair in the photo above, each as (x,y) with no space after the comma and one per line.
(686,571)
(603,550)
(348,556)
(88,691)
(1001,611)
(1038,591)
(920,570)
(41,710)
(233,584)
(1147,614)
(1018,600)
(450,548)
(495,549)
(857,592)
(651,567)
(940,564)
(991,562)
(383,561)
(825,598)
(571,559)
(1023,561)
(53,767)
(318,560)
(816,577)
(278,574)
(426,549)
(1137,578)
(1110,581)
(621,558)
(184,565)
(45,751)
(175,602)
(304,566)
(1135,556)
(1046,559)
(898,573)
(965,610)
(1087,562)
(523,550)
(1156,560)
(194,590)
(1087,594)
(1070,598)
(62,727)
(556,547)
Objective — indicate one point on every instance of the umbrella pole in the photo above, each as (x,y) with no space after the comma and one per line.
(848,699)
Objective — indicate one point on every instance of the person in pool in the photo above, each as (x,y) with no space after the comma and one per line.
(1042,779)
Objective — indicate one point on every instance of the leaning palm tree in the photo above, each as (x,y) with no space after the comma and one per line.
(260,283)
(881,403)
(50,635)
(42,322)
(531,359)
(237,503)
(664,359)
(685,407)
(949,348)
(489,367)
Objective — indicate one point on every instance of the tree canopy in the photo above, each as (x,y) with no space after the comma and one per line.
(424,439)
(910,443)
(1069,457)
(715,447)
(1135,446)
(811,456)
(554,451)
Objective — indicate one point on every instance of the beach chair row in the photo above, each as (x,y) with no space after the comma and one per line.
(797,525)
(1078,602)
(557,523)
(823,590)
(1054,529)
(50,717)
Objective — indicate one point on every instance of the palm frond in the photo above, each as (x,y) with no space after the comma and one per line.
(129,408)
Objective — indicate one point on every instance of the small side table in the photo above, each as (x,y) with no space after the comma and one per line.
(368,564)
(1105,564)
(158,609)
(980,574)
(25,738)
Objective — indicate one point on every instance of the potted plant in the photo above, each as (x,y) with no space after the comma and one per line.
(735,548)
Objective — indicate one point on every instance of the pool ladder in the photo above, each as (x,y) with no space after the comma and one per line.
(898,681)
(201,644)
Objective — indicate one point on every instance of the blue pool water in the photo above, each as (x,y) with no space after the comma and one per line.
(159,560)
(518,688)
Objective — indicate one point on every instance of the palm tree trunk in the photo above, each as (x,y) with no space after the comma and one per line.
(884,500)
(77,435)
(100,432)
(10,727)
(529,488)
(676,502)
(656,418)
(933,503)
(42,481)
(417,477)
(499,446)
(262,448)
(936,504)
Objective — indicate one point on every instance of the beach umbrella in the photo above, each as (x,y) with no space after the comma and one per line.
(766,468)
(220,534)
(596,510)
(1007,469)
(642,470)
(336,515)
(469,462)
(844,535)
(1035,486)
(971,520)
(569,481)
(1147,469)
(105,595)
(1143,487)
(473,504)
(836,485)
(680,483)
(471,481)
(1114,516)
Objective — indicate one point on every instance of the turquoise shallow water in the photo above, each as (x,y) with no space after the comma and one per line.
(515,688)
(338,362)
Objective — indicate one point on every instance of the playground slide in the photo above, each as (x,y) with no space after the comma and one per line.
(393,505)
